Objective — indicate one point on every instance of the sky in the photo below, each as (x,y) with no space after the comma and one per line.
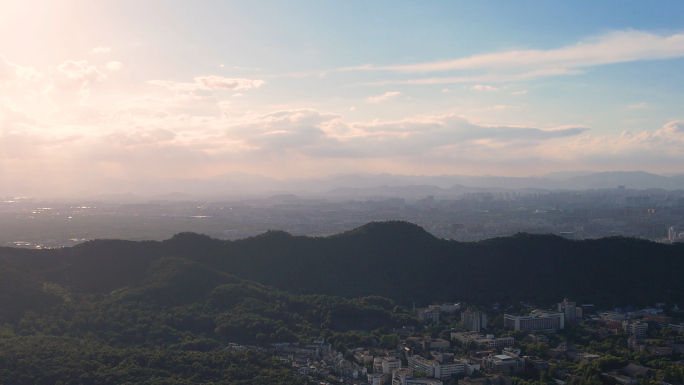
(132,90)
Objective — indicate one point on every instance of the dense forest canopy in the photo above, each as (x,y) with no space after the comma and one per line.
(397,260)
(111,311)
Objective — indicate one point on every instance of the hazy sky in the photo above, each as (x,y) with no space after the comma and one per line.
(193,89)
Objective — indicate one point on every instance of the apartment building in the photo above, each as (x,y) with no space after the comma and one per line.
(386,364)
(474,320)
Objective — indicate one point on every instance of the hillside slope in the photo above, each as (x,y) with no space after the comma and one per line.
(397,260)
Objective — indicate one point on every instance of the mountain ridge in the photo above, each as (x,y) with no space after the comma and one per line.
(395,259)
(247,186)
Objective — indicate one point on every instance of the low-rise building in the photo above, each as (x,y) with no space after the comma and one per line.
(379,378)
(362,357)
(434,343)
(537,320)
(660,350)
(504,364)
(658,319)
(536,338)
(676,327)
(386,364)
(405,377)
(419,364)
(433,368)
(638,329)
(536,364)
(488,340)
(621,378)
(574,354)
(634,370)
(427,315)
(442,357)
(470,366)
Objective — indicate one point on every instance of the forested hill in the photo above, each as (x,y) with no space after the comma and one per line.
(397,260)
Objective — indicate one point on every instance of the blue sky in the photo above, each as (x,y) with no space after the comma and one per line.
(131,90)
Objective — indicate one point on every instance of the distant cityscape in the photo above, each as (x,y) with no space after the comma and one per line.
(530,343)
(654,214)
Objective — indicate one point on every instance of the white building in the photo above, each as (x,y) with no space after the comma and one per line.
(538,320)
(470,366)
(428,367)
(671,234)
(569,308)
(386,364)
(428,314)
(433,368)
(405,377)
(488,340)
(379,378)
(449,369)
(505,364)
(474,320)
(638,329)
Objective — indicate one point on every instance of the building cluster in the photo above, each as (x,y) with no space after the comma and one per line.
(321,363)
(487,340)
(432,313)
(422,360)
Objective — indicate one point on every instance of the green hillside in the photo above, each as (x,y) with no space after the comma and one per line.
(109,311)
(397,260)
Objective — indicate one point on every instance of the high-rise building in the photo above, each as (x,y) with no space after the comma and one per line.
(569,308)
(474,320)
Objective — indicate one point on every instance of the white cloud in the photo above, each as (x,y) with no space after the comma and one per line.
(114,66)
(221,83)
(150,138)
(386,96)
(11,118)
(519,93)
(71,81)
(638,106)
(211,83)
(102,50)
(492,77)
(446,91)
(614,47)
(673,130)
(480,87)
(11,73)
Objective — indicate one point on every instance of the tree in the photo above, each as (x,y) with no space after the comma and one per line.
(389,341)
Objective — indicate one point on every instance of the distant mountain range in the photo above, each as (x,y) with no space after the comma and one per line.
(364,185)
